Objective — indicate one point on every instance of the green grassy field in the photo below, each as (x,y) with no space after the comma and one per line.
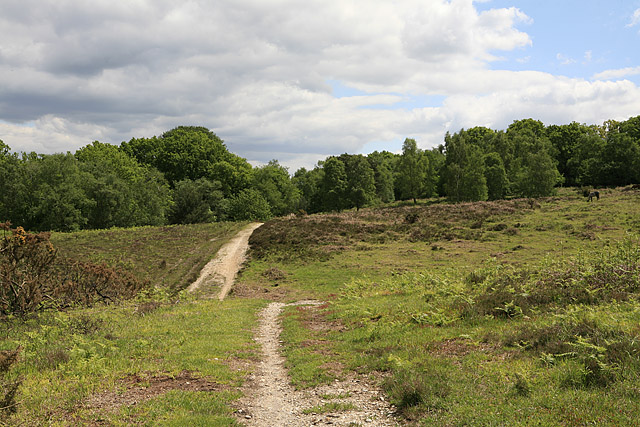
(520,312)
(170,257)
(164,358)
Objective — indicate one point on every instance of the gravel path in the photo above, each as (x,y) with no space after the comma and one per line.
(271,401)
(222,270)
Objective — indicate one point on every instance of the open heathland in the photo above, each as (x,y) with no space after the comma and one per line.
(511,312)
(163,357)
(518,312)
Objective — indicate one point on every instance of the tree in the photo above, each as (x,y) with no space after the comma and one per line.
(249,205)
(434,172)
(125,192)
(496,176)
(274,183)
(537,175)
(9,183)
(533,172)
(53,194)
(196,202)
(566,140)
(361,188)
(192,152)
(413,165)
(309,182)
(382,165)
(620,160)
(334,185)
(464,170)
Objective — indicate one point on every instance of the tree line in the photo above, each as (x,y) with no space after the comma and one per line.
(188,175)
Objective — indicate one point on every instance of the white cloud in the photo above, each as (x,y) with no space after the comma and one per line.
(617,74)
(257,71)
(565,60)
(635,18)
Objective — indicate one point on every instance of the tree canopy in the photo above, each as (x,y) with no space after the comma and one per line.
(188,175)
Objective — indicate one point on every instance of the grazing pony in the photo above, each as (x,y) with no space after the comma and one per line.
(593,194)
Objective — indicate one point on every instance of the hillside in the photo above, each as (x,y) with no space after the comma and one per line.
(513,312)
(520,312)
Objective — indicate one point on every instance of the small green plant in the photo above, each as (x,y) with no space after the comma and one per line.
(510,310)
(411,386)
(521,384)
(330,407)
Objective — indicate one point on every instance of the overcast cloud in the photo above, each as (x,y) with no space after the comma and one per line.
(264,75)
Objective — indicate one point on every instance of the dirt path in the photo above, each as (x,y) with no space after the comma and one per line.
(271,401)
(222,270)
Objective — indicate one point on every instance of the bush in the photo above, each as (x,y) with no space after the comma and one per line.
(592,352)
(33,279)
(8,388)
(599,278)
(249,205)
(25,263)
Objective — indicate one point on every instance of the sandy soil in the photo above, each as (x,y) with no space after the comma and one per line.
(222,270)
(271,401)
(269,398)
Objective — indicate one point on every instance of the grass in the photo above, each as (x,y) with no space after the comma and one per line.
(162,358)
(519,312)
(170,257)
(63,366)
(326,408)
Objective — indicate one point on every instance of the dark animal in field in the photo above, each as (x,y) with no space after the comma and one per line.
(593,194)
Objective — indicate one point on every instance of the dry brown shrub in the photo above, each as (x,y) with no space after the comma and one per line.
(8,388)
(33,278)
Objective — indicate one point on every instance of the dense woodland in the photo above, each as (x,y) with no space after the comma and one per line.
(187,175)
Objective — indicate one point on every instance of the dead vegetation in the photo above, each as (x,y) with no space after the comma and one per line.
(8,387)
(137,388)
(320,236)
(33,277)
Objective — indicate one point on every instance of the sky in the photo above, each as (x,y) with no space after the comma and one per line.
(299,80)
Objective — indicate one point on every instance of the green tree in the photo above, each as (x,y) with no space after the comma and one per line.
(249,205)
(537,175)
(196,202)
(464,170)
(434,171)
(361,188)
(620,160)
(412,169)
(566,140)
(274,183)
(192,152)
(382,165)
(334,185)
(53,196)
(9,183)
(125,192)
(496,176)
(533,170)
(309,183)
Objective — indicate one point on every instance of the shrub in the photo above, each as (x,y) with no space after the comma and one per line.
(8,388)
(32,278)
(593,352)
(25,262)
(590,280)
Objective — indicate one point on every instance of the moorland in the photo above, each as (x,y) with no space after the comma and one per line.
(507,312)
